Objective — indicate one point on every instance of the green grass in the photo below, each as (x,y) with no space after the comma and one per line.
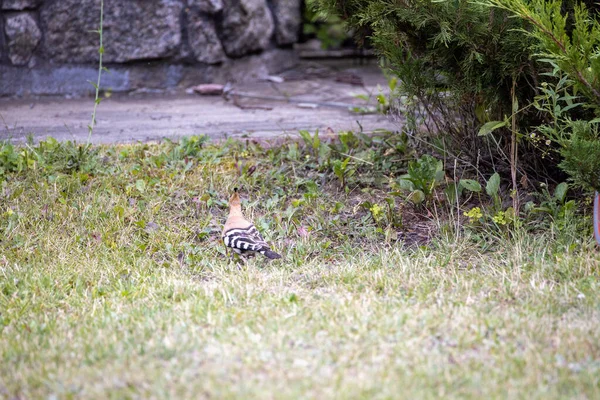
(114,284)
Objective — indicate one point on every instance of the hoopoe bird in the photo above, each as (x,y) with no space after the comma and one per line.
(241,235)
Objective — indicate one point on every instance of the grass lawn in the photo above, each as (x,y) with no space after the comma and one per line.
(114,282)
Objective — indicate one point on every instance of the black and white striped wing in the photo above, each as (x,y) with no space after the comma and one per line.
(245,240)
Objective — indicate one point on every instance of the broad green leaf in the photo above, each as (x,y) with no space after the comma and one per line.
(366,205)
(493,185)
(567,108)
(306,137)
(316,140)
(439,174)
(345,163)
(491,126)
(417,197)
(561,191)
(406,184)
(471,185)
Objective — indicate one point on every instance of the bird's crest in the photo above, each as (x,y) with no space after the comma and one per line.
(235,201)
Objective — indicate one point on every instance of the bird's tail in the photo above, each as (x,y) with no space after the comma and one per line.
(269,253)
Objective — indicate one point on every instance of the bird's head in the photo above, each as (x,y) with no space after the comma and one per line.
(235,201)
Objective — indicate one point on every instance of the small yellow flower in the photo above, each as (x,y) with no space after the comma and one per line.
(376,211)
(474,214)
(500,218)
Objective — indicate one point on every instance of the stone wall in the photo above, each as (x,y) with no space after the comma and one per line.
(49,47)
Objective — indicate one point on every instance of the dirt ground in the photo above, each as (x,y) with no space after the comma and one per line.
(312,96)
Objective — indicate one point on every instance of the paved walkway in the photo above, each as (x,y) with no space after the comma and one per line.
(262,114)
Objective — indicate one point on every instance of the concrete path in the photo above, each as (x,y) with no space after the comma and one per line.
(124,118)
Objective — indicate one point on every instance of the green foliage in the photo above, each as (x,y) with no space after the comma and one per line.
(423,176)
(492,221)
(455,61)
(581,155)
(491,218)
(319,151)
(188,146)
(342,170)
(50,156)
(10,159)
(567,38)
(554,211)
(492,188)
(377,174)
(454,191)
(556,205)
(330,30)
(67,156)
(555,102)
(383,100)
(577,140)
(350,154)
(465,67)
(491,126)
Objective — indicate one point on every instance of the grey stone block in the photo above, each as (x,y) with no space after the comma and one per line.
(288,18)
(133,30)
(75,80)
(247,26)
(2,49)
(50,48)
(154,76)
(14,81)
(23,36)
(203,40)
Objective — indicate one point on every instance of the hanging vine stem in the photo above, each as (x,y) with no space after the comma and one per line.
(97,99)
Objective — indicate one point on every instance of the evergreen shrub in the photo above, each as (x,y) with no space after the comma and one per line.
(465,64)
